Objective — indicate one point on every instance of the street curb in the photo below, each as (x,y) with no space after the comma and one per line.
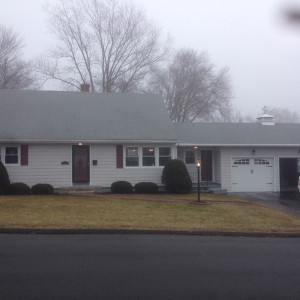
(148,232)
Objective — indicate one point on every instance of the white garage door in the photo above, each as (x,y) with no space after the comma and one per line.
(252,174)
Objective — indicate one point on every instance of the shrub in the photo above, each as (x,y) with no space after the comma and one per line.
(18,188)
(121,187)
(4,179)
(146,188)
(176,177)
(42,189)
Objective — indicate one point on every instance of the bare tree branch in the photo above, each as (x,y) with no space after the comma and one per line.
(107,44)
(14,71)
(192,89)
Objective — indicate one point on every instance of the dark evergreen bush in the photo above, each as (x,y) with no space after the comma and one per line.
(18,188)
(42,189)
(4,179)
(146,188)
(176,177)
(121,187)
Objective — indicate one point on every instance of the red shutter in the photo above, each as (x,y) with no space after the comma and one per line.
(24,155)
(119,156)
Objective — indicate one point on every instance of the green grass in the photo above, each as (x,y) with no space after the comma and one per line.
(159,212)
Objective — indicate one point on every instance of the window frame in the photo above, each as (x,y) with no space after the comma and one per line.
(3,155)
(195,156)
(154,156)
(125,155)
(140,155)
(163,156)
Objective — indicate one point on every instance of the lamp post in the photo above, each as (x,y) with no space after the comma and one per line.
(198,179)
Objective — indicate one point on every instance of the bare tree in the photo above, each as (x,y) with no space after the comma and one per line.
(104,43)
(192,89)
(282,115)
(14,71)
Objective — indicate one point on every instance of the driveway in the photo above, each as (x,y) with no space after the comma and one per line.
(287,202)
(160,267)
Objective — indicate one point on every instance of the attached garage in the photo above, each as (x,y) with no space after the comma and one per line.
(252,174)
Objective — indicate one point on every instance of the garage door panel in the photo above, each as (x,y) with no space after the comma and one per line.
(252,174)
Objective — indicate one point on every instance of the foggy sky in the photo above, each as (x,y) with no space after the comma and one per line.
(249,37)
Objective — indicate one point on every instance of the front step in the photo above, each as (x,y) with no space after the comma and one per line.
(209,187)
(78,190)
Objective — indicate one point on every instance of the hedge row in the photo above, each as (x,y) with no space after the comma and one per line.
(175,177)
(19,188)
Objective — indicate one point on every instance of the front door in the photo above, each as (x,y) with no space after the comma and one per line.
(81,164)
(206,165)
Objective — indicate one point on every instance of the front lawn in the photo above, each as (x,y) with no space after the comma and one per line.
(159,212)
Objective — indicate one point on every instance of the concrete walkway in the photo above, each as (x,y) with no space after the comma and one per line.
(287,202)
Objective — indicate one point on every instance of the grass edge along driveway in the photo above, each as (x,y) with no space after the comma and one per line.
(143,212)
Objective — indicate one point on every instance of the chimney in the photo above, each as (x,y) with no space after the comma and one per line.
(85,88)
(266,119)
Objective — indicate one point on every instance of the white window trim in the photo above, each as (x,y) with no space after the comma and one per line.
(125,155)
(158,156)
(155,156)
(3,154)
(196,156)
(140,154)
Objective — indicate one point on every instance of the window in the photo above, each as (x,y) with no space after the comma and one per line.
(164,155)
(189,156)
(244,161)
(132,157)
(259,161)
(148,156)
(11,155)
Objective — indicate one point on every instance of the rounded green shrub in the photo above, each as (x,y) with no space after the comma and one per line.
(121,187)
(176,177)
(42,189)
(4,179)
(18,188)
(146,188)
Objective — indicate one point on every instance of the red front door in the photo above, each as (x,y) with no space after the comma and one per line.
(81,164)
(206,165)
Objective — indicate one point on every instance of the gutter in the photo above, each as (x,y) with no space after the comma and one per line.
(36,141)
(236,145)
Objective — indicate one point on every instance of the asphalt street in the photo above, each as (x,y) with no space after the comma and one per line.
(148,267)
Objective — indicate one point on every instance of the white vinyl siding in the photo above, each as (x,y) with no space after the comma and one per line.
(44,166)
(53,164)
(105,173)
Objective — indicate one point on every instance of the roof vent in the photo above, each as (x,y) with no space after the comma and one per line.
(266,119)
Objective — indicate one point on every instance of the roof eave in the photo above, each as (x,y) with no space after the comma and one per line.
(236,145)
(107,141)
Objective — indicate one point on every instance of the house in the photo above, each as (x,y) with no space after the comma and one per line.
(69,139)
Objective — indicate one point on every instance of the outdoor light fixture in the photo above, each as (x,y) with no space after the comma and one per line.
(195,147)
(198,179)
(253,151)
(80,144)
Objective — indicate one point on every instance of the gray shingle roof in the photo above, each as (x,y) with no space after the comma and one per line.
(71,116)
(237,134)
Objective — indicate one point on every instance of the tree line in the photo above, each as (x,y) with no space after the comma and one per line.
(113,47)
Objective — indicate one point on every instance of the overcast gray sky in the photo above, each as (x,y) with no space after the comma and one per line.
(262,52)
